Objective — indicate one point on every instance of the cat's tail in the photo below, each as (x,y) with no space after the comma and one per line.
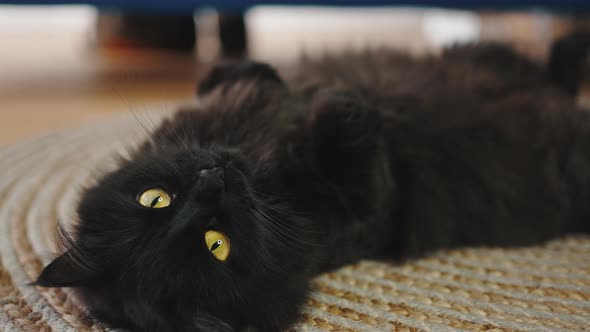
(566,60)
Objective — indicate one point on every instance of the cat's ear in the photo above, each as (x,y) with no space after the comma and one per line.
(229,74)
(65,271)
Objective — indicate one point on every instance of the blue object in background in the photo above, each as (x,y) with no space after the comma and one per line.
(190,5)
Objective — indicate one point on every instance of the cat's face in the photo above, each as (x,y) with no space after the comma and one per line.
(177,233)
(175,219)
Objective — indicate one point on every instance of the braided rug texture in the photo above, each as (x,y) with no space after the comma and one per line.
(541,288)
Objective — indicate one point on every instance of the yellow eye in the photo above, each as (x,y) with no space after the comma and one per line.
(154,198)
(218,244)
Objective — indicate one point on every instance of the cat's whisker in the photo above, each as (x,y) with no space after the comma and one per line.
(266,204)
(279,222)
(263,194)
(139,118)
(271,206)
(275,223)
(287,227)
(270,226)
(135,111)
(265,257)
(187,135)
(178,137)
(285,234)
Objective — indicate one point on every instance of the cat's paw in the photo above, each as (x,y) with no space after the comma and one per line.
(342,120)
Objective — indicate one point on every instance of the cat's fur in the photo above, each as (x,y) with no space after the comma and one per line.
(367,155)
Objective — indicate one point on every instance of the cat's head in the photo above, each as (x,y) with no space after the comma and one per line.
(178,233)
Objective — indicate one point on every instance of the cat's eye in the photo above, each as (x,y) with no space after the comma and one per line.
(154,198)
(218,244)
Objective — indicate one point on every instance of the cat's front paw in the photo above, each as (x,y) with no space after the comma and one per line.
(348,152)
(343,120)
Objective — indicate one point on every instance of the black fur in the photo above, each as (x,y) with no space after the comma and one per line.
(367,155)
(568,56)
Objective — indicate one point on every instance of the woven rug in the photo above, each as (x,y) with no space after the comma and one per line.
(542,288)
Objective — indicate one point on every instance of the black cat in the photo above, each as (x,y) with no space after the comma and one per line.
(219,221)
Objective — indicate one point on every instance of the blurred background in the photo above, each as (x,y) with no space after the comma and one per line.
(64,65)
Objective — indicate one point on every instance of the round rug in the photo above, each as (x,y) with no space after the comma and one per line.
(541,288)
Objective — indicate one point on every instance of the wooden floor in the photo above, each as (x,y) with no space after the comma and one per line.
(36,102)
(52,77)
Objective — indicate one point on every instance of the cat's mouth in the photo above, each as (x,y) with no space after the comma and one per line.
(235,179)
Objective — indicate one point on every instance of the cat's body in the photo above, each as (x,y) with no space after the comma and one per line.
(361,156)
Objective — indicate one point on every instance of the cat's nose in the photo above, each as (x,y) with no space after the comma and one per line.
(211,181)
(216,172)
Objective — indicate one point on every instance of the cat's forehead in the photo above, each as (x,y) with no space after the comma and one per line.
(163,165)
(175,158)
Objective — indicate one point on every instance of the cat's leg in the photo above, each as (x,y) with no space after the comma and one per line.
(348,151)
(352,190)
(564,66)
